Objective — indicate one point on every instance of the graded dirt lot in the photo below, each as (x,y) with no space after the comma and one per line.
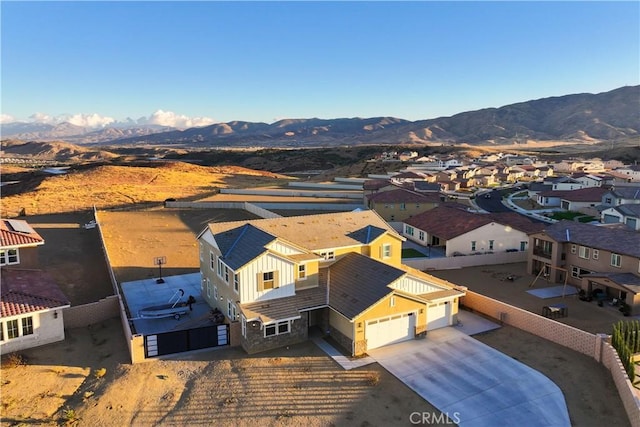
(293,386)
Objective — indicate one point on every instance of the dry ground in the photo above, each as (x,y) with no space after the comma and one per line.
(288,387)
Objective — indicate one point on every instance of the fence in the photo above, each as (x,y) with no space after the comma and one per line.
(567,336)
(88,314)
(295,193)
(445,263)
(262,209)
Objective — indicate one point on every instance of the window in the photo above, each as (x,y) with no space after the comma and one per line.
(409,230)
(578,272)
(231,310)
(201,251)
(236,282)
(220,266)
(473,245)
(215,292)
(386,250)
(27,325)
(523,246)
(212,261)
(573,249)
(596,254)
(584,252)
(392,301)
(328,256)
(12,329)
(607,200)
(302,272)
(208,288)
(267,280)
(616,260)
(403,207)
(9,257)
(490,245)
(279,328)
(421,235)
(226,274)
(244,326)
(1,331)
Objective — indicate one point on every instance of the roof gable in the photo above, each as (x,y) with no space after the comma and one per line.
(18,233)
(242,244)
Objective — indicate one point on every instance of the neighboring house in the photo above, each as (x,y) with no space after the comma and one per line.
(426,187)
(632,173)
(621,196)
(589,180)
(31,302)
(460,232)
(563,183)
(591,257)
(340,273)
(625,214)
(572,200)
(400,204)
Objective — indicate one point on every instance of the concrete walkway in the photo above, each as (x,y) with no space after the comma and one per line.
(474,383)
(346,362)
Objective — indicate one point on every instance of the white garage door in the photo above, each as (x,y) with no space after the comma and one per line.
(390,330)
(438,315)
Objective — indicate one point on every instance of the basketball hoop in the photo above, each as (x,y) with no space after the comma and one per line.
(160,261)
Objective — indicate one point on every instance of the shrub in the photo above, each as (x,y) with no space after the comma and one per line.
(99,373)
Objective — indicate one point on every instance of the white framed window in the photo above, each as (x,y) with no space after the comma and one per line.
(490,245)
(421,235)
(226,274)
(220,267)
(596,254)
(9,257)
(403,207)
(202,282)
(616,260)
(201,251)
(268,280)
(386,250)
(243,322)
(302,272)
(27,326)
(236,282)
(473,245)
(208,288)
(584,252)
(409,230)
(573,249)
(523,246)
(328,256)
(215,292)
(1,331)
(12,329)
(212,261)
(578,272)
(231,310)
(279,328)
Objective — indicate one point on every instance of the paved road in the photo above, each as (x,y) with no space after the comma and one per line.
(494,203)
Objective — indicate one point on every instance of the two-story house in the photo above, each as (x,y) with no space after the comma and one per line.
(400,203)
(625,214)
(32,304)
(590,257)
(340,273)
(621,195)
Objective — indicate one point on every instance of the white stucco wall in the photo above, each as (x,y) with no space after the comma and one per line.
(46,329)
(504,237)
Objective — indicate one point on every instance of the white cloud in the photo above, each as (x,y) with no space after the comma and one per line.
(90,120)
(43,118)
(6,118)
(169,118)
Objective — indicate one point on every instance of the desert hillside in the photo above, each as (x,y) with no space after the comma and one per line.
(109,186)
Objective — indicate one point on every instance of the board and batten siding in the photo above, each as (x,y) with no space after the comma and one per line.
(267,262)
(414,286)
(283,249)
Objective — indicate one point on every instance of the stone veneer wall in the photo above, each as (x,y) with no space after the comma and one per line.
(344,341)
(256,342)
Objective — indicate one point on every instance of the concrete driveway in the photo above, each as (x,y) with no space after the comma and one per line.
(473,383)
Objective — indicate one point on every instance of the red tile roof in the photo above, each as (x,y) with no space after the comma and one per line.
(452,220)
(403,196)
(27,291)
(10,237)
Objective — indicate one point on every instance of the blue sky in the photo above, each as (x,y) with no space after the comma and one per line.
(262,61)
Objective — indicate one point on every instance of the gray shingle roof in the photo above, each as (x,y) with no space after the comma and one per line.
(356,282)
(314,232)
(626,280)
(629,210)
(632,193)
(287,307)
(242,244)
(614,239)
(368,234)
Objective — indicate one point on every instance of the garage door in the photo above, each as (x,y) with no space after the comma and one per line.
(438,315)
(390,330)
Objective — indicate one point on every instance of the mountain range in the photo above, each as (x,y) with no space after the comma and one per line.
(580,117)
